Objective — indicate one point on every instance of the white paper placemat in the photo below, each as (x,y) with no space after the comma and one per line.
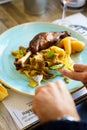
(77,22)
(20,108)
(76,19)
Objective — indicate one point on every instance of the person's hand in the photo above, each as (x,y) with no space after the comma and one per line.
(53,101)
(79,73)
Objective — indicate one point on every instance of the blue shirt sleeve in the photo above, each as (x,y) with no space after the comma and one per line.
(63,125)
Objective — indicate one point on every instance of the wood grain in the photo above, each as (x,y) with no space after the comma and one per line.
(6,122)
(13,13)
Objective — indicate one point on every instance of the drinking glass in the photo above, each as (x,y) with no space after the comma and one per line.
(63,20)
(35,7)
(65,2)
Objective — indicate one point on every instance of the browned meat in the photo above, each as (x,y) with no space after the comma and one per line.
(40,42)
(45,40)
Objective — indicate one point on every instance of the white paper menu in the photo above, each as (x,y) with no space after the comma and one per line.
(20,108)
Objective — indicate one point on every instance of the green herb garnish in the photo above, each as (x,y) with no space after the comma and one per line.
(55,67)
(21,52)
(50,54)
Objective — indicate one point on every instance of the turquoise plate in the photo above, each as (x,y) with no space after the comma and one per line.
(21,35)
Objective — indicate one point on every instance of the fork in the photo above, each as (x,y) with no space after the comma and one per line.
(38,78)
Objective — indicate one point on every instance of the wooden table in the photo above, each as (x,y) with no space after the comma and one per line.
(12,14)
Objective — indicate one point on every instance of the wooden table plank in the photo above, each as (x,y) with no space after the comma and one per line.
(8,20)
(6,122)
(2,27)
(15,13)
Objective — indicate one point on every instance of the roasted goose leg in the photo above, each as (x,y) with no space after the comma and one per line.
(40,42)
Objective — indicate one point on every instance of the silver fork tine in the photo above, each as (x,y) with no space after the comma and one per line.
(38,79)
